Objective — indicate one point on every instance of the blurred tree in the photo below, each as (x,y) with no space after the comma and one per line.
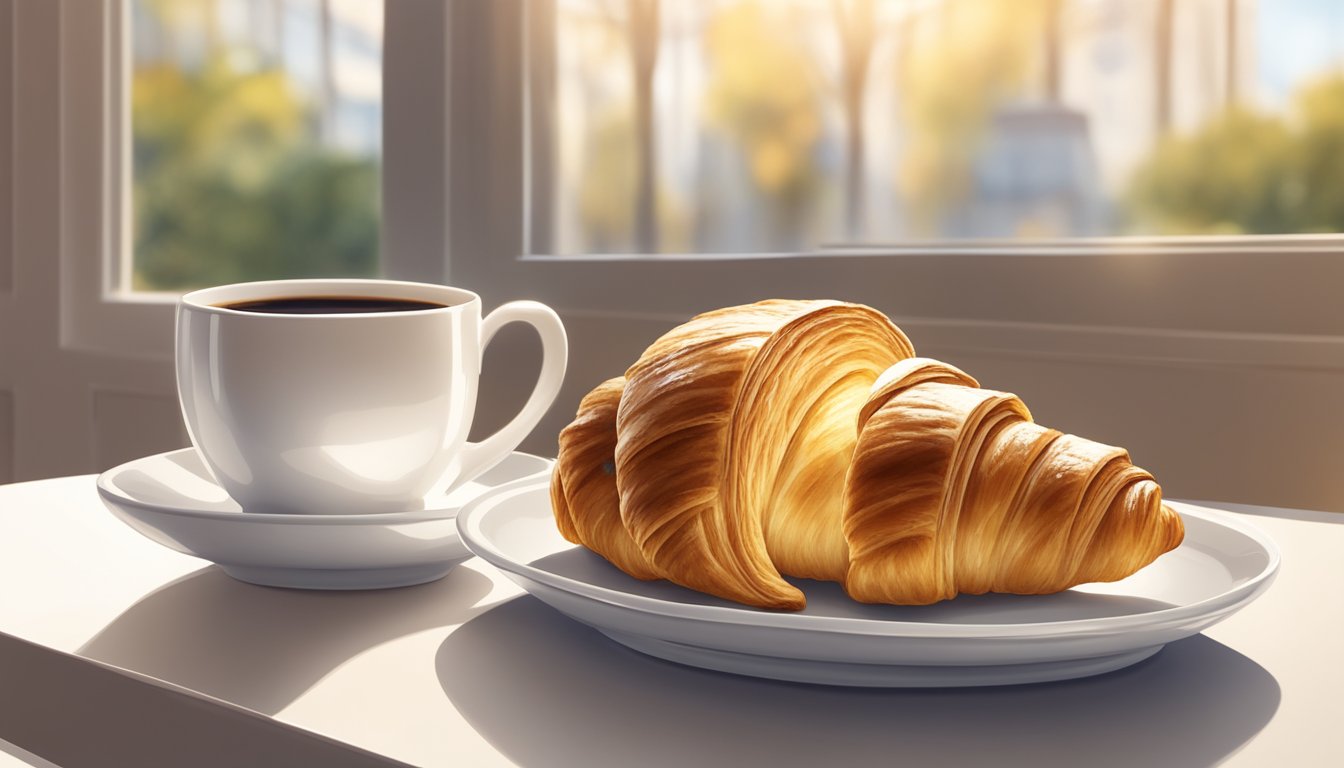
(607,188)
(966,58)
(856,21)
(1163,27)
(642,22)
(326,54)
(608,198)
(763,94)
(629,210)
(1052,41)
(227,186)
(1231,50)
(1247,172)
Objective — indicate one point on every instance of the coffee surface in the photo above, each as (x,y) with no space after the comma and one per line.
(330,305)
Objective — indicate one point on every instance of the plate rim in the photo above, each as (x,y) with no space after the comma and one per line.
(110,492)
(1213,607)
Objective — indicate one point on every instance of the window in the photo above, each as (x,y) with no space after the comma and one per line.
(1126,329)
(255,136)
(499,136)
(744,125)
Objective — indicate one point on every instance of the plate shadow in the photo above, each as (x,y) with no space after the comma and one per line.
(546,690)
(262,647)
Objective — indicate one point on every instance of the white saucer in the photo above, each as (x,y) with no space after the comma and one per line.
(172,499)
(972,640)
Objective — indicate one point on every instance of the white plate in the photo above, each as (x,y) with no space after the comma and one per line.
(172,499)
(972,640)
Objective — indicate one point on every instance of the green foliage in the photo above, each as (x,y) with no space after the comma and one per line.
(1318,193)
(1246,172)
(229,185)
(1233,176)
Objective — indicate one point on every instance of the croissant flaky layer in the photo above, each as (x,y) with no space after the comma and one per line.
(803,438)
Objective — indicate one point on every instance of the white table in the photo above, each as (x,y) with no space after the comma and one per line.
(115,651)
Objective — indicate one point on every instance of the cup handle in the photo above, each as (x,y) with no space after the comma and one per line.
(479,457)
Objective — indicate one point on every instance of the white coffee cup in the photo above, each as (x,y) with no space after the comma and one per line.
(347,413)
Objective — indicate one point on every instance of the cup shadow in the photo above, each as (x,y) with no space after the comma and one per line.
(545,690)
(262,647)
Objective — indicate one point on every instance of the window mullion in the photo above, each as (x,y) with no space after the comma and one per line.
(415,166)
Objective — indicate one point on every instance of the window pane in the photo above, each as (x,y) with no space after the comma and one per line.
(747,125)
(255,135)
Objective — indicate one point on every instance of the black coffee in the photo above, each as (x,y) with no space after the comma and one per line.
(330,305)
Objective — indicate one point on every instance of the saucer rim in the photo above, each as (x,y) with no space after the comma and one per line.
(110,493)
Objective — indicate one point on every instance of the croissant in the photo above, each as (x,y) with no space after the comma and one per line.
(804,439)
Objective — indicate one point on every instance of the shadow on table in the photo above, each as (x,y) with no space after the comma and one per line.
(262,647)
(547,691)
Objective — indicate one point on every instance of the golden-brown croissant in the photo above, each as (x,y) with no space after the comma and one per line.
(802,438)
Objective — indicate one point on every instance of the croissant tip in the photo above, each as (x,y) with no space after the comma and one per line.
(789,604)
(1175,528)
(777,596)
(785,597)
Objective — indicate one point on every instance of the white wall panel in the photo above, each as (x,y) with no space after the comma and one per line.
(6,437)
(129,425)
(6,145)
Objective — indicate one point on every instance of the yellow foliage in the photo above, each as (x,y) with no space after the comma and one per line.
(241,125)
(607,190)
(965,57)
(607,186)
(764,94)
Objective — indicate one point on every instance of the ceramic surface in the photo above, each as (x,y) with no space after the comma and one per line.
(172,499)
(972,640)
(347,413)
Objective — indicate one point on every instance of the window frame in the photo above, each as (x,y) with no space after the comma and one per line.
(94,235)
(451,155)
(97,314)
(1226,301)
